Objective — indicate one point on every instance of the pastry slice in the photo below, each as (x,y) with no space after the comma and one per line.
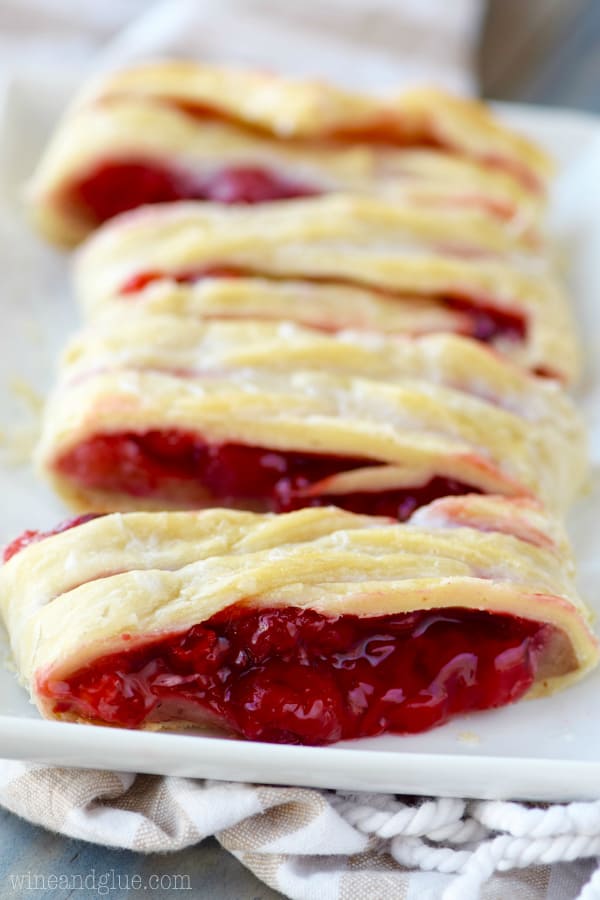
(155,411)
(307,628)
(494,286)
(180,131)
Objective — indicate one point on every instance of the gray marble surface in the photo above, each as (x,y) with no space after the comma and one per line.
(537,51)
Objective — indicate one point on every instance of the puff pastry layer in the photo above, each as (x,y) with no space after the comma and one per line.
(155,411)
(179,130)
(306,627)
(479,278)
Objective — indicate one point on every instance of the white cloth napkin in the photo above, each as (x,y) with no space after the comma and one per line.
(305,843)
(325,845)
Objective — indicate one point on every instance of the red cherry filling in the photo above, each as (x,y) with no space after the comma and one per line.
(295,676)
(32,537)
(114,187)
(155,463)
(488,323)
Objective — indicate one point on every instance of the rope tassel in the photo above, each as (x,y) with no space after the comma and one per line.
(474,839)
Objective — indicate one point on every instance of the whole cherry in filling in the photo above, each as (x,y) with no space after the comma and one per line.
(114,187)
(178,465)
(291,675)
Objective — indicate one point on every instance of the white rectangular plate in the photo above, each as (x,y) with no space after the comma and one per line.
(546,749)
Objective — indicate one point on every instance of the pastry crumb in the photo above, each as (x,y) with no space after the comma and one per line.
(17,441)
(27,393)
(17,447)
(468,737)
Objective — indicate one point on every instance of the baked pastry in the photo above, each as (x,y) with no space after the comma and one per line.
(327,307)
(308,627)
(179,130)
(499,288)
(156,411)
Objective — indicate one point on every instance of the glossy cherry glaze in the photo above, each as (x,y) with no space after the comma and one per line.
(32,537)
(113,188)
(295,676)
(149,463)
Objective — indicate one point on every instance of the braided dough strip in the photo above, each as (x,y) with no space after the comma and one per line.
(333,244)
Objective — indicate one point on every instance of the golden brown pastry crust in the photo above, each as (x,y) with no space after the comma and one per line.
(289,127)
(315,109)
(434,406)
(329,308)
(339,240)
(69,598)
